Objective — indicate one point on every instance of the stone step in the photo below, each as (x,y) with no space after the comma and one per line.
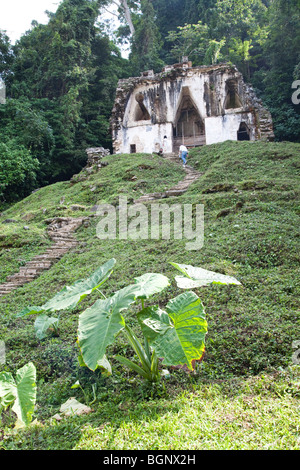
(57,250)
(175,192)
(10,284)
(39,265)
(62,237)
(60,232)
(152,197)
(30,271)
(143,200)
(63,240)
(56,256)
(21,276)
(41,258)
(6,289)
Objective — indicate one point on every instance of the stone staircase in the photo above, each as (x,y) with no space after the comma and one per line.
(60,231)
(181,187)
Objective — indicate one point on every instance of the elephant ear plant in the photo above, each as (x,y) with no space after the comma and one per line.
(19,392)
(100,324)
(176,335)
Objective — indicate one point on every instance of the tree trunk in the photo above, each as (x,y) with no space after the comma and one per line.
(128,15)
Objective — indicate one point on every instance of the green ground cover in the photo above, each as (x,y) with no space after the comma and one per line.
(245,393)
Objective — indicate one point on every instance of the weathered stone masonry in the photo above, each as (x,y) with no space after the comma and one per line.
(184,104)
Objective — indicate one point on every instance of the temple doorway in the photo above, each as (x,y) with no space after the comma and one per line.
(243,133)
(189,128)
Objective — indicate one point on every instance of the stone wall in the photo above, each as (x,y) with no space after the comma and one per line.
(194,105)
(95,154)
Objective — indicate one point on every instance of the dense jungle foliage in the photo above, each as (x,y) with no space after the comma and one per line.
(61,77)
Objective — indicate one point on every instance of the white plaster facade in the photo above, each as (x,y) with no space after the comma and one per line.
(190,105)
(222,128)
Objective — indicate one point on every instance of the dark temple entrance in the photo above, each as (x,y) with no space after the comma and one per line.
(189,127)
(243,133)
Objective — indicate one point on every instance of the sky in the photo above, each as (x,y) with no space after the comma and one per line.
(16,15)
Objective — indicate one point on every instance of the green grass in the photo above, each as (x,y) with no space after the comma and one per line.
(259,413)
(245,394)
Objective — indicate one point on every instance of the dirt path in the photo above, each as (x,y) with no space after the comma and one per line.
(181,187)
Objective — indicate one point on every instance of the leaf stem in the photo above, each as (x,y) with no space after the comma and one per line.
(101,293)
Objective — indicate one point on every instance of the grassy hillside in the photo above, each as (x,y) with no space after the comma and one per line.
(245,393)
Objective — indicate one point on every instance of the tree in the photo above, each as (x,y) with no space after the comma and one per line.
(18,170)
(146,42)
(229,30)
(6,56)
(281,55)
(191,40)
(62,86)
(242,26)
(127,15)
(170,14)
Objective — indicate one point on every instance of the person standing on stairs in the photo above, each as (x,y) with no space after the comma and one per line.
(183,153)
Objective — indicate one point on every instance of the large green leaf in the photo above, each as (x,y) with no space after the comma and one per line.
(99,325)
(103,364)
(198,277)
(70,296)
(149,284)
(42,325)
(21,391)
(7,389)
(177,334)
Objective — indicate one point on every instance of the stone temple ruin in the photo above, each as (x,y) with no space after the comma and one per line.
(183,104)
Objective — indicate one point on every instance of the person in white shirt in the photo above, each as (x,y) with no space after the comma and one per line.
(183,153)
